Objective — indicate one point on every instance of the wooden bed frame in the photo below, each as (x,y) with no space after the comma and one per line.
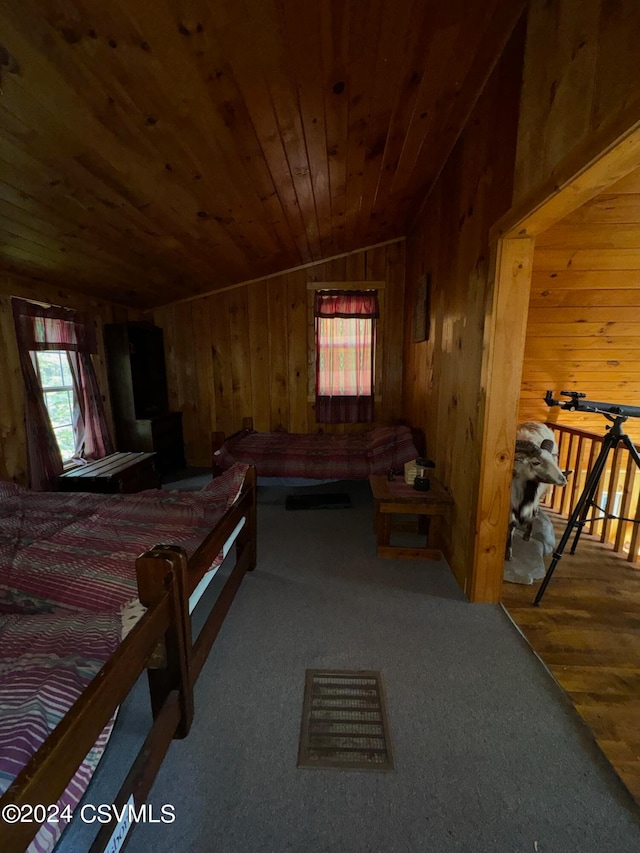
(218,439)
(161,642)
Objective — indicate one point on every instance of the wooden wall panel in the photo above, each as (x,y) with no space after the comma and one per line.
(443,383)
(250,351)
(505,335)
(278,373)
(201,319)
(240,349)
(13,443)
(393,329)
(583,331)
(580,88)
(260,363)
(578,132)
(13,449)
(221,355)
(580,94)
(184,354)
(297,351)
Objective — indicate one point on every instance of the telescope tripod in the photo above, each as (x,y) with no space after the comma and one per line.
(578,517)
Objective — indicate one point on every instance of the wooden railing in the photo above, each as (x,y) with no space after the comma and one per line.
(618,492)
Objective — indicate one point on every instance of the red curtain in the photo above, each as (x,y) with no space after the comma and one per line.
(345,355)
(52,328)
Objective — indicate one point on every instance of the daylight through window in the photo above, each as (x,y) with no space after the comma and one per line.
(345,326)
(345,349)
(54,374)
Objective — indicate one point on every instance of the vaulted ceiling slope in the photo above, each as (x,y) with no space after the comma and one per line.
(157,149)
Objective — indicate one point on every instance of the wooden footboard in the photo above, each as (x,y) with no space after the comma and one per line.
(162,643)
(218,438)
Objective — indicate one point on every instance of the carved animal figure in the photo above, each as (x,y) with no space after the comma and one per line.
(537,433)
(535,466)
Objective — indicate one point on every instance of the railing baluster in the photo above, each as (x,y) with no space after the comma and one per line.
(551,494)
(634,545)
(625,505)
(569,461)
(556,500)
(612,490)
(576,477)
(595,449)
(577,451)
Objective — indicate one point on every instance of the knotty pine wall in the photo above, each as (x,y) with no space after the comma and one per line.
(583,331)
(580,89)
(13,446)
(580,94)
(442,386)
(250,351)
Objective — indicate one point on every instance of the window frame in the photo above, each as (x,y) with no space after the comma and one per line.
(350,344)
(379,287)
(74,405)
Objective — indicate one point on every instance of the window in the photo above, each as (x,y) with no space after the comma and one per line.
(345,328)
(617,503)
(346,348)
(64,411)
(54,375)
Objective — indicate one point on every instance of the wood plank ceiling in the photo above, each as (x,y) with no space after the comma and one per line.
(157,149)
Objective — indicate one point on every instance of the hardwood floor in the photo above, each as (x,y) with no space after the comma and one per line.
(587,632)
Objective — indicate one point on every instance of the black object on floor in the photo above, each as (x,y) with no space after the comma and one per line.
(344,721)
(327,501)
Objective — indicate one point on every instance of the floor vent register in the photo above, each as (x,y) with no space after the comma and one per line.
(344,721)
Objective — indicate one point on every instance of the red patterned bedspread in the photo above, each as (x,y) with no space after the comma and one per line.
(45,663)
(76,551)
(67,568)
(320,456)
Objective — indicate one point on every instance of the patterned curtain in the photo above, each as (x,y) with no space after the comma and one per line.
(39,328)
(345,355)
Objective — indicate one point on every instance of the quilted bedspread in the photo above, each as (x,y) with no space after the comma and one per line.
(45,663)
(320,456)
(67,571)
(75,551)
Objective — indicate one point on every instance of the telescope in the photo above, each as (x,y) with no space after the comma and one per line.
(577,402)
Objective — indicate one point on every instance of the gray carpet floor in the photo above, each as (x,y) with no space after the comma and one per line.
(489,754)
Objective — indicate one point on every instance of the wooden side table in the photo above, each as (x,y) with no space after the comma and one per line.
(122,473)
(395,496)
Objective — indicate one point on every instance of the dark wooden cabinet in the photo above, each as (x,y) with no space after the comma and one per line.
(161,435)
(137,373)
(139,397)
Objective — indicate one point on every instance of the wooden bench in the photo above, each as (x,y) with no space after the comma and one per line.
(393,497)
(119,473)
